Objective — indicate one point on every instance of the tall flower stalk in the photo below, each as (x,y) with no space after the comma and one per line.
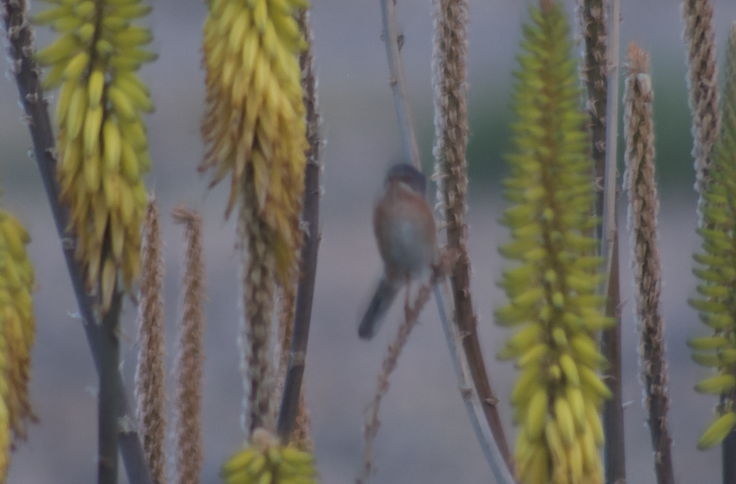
(553,291)
(254,129)
(102,145)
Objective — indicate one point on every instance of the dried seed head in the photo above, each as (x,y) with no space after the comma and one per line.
(150,385)
(190,352)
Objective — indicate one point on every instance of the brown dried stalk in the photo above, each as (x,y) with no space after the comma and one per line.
(641,185)
(451,133)
(99,337)
(190,354)
(594,72)
(150,388)
(411,313)
(258,267)
(702,82)
(293,412)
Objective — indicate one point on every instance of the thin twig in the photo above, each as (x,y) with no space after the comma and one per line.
(26,73)
(390,362)
(613,412)
(398,82)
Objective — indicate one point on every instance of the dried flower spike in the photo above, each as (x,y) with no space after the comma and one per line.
(702,81)
(640,182)
(150,385)
(102,139)
(553,291)
(190,352)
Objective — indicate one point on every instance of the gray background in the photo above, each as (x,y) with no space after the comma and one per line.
(426,436)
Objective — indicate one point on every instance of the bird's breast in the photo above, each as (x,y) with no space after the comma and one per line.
(405,232)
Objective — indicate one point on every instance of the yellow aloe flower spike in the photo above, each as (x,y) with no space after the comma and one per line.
(17,335)
(266,461)
(102,142)
(254,127)
(553,289)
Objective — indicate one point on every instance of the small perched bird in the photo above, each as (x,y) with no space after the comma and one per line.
(406,236)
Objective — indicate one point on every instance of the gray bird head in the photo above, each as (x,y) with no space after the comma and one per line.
(408,174)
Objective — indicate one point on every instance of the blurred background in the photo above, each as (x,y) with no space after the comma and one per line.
(426,436)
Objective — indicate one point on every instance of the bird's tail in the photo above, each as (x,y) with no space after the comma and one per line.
(385,295)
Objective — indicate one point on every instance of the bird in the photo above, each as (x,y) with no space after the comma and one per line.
(407,240)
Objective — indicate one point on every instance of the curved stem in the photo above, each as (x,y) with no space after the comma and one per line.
(473,404)
(398,82)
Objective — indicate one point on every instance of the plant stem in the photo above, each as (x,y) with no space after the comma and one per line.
(613,413)
(310,217)
(728,460)
(107,470)
(613,410)
(26,73)
(473,404)
(398,82)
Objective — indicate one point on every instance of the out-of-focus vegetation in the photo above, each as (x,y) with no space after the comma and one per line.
(490,140)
